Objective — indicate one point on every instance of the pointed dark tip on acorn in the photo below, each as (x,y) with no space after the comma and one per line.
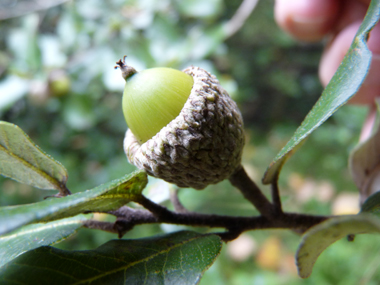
(126,71)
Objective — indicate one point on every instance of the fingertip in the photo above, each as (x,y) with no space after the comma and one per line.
(335,52)
(374,40)
(365,1)
(366,95)
(307,20)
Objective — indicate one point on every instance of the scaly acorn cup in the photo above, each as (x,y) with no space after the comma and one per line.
(199,143)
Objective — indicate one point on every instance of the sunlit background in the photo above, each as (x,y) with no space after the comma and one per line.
(58,83)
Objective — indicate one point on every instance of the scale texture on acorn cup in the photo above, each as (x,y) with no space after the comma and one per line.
(202,146)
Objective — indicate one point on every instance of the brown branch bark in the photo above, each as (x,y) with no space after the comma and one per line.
(127,218)
(276,199)
(252,192)
(271,216)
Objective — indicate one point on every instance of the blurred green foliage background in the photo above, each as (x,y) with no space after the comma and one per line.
(58,83)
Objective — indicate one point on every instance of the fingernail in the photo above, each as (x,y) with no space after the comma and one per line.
(309,27)
(307,19)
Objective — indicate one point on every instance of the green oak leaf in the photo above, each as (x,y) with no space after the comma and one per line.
(176,258)
(343,85)
(22,160)
(103,198)
(364,164)
(319,237)
(22,8)
(372,204)
(36,235)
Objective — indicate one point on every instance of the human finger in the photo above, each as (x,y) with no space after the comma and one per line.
(335,53)
(307,20)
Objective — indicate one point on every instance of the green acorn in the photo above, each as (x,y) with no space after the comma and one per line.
(152,98)
(183,126)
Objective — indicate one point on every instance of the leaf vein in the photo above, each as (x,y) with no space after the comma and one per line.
(89,280)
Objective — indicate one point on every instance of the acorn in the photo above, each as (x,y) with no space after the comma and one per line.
(183,126)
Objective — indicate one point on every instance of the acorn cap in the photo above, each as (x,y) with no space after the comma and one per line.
(201,146)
